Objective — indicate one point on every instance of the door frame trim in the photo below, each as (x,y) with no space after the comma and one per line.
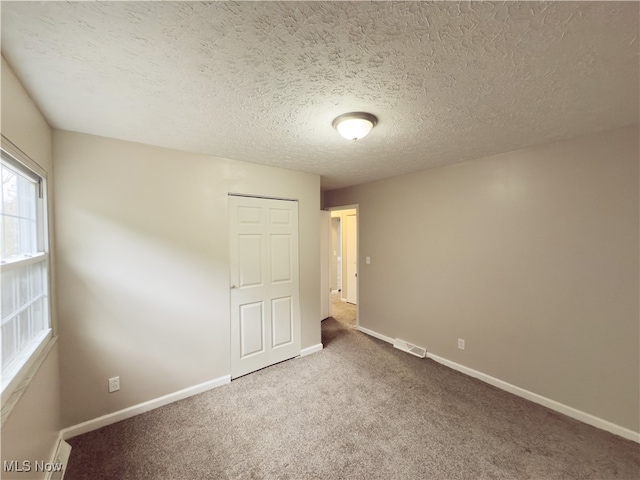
(248,195)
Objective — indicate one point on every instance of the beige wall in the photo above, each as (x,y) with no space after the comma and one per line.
(22,122)
(31,430)
(530,256)
(144,271)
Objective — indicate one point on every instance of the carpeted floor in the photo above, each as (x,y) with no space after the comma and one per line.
(359,409)
(343,312)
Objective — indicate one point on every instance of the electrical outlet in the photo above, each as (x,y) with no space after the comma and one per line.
(114,384)
(461,344)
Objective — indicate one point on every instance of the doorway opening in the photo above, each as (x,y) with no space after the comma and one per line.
(344,265)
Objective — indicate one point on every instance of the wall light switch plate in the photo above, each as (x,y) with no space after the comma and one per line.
(367,260)
(461,344)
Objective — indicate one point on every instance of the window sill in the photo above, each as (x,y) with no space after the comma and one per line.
(12,263)
(16,380)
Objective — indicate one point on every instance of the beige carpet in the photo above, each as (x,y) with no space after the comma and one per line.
(344,312)
(359,409)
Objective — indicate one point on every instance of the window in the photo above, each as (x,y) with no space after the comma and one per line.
(24,265)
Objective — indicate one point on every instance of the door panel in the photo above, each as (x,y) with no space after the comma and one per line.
(282,321)
(250,258)
(281,258)
(249,215)
(252,328)
(280,216)
(265,300)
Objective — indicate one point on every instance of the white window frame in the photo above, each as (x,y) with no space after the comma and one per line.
(23,367)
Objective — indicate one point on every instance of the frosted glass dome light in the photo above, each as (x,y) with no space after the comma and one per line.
(356,125)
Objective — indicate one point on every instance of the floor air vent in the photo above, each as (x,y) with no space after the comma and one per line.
(409,348)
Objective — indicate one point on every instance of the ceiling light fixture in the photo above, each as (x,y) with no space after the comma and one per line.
(355,125)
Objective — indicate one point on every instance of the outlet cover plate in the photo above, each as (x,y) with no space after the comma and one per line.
(114,384)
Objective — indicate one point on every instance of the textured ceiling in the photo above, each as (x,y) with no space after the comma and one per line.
(262,81)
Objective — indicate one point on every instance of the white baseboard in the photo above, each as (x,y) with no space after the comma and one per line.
(59,460)
(539,399)
(521,392)
(134,410)
(377,335)
(309,350)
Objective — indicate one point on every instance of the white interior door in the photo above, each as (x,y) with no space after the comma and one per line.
(351,226)
(264,281)
(325,264)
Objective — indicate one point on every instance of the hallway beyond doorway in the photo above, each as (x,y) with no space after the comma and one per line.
(343,312)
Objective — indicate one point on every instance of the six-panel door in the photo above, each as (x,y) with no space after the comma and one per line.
(265,302)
